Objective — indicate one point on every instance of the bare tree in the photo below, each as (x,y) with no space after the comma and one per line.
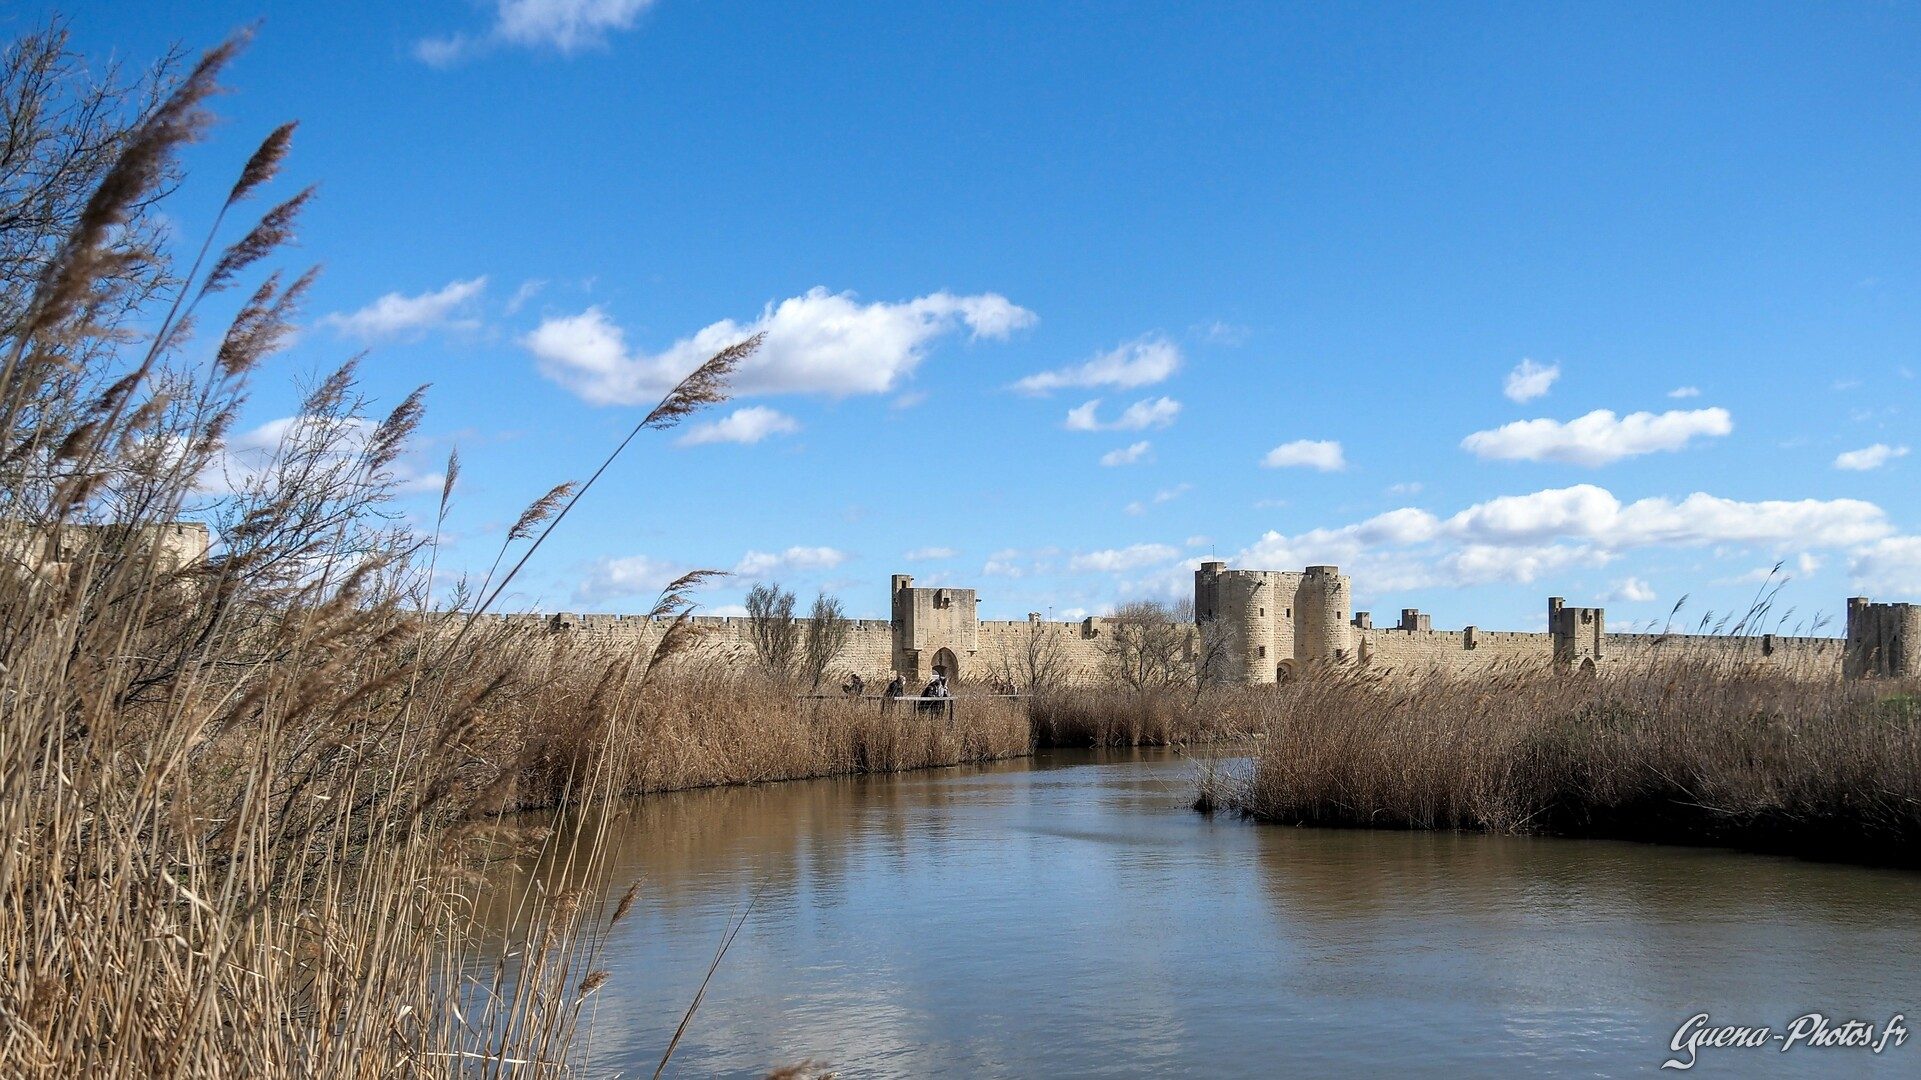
(775,634)
(1212,654)
(1038,662)
(1147,646)
(66,124)
(826,638)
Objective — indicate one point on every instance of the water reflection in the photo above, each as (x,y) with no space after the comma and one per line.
(1069,916)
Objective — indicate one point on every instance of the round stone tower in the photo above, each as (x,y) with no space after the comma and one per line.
(1253,614)
(1884,640)
(1320,616)
(1239,605)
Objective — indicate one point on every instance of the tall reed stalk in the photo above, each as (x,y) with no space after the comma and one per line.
(245,793)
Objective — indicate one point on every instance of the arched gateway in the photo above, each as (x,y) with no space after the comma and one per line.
(946,663)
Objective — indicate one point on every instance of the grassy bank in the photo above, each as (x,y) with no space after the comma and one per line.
(1692,754)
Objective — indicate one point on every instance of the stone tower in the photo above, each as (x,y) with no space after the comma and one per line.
(1884,640)
(1269,622)
(1579,634)
(934,626)
(1320,606)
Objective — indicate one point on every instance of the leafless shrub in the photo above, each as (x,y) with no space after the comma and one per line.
(1147,647)
(1039,663)
(827,632)
(774,632)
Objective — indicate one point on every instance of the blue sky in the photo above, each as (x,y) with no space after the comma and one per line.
(1349,284)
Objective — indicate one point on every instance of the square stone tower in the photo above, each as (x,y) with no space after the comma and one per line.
(1579,635)
(934,627)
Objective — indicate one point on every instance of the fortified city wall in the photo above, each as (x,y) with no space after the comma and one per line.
(1264,626)
(26,553)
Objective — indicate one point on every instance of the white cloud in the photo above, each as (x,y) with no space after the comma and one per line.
(926,553)
(1597,438)
(1143,414)
(1890,565)
(1411,487)
(1685,392)
(1127,558)
(566,25)
(563,26)
(527,291)
(1014,563)
(1483,564)
(1869,457)
(1593,513)
(1164,495)
(443,51)
(908,400)
(1004,564)
(252,457)
(735,611)
(761,563)
(1530,380)
(1631,590)
(631,575)
(1141,362)
(748,426)
(1231,335)
(819,342)
(394,314)
(1521,537)
(1324,455)
(1129,455)
(1404,526)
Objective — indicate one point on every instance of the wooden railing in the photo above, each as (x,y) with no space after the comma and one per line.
(921,704)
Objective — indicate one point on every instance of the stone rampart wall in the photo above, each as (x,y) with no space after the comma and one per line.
(1476,651)
(1808,657)
(1467,651)
(1003,646)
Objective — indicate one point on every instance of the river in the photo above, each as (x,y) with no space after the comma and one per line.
(1068,915)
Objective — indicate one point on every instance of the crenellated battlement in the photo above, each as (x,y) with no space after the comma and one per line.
(1884,640)
(1263,626)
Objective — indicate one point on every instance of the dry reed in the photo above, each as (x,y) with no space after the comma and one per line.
(1169,716)
(244,794)
(1690,752)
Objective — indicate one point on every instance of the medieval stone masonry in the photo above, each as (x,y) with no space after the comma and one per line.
(1264,626)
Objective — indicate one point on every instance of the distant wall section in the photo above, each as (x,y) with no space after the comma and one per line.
(1256,627)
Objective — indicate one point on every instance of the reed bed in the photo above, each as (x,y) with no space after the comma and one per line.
(704,724)
(246,792)
(1171,716)
(735,728)
(1686,752)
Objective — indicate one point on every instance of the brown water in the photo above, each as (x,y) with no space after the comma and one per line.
(1069,916)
